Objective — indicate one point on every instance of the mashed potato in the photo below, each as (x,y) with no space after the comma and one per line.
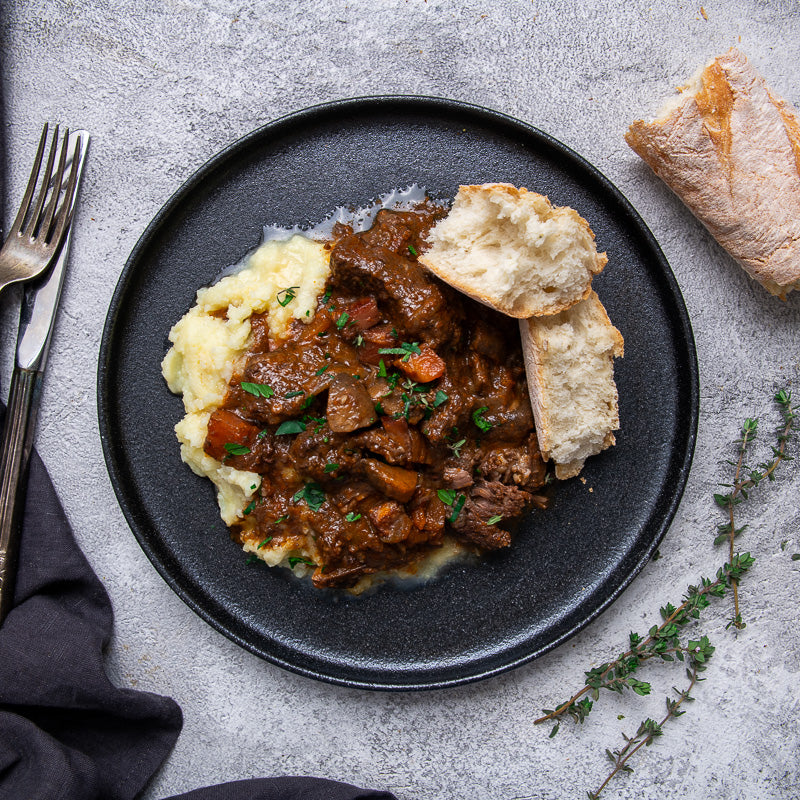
(283,278)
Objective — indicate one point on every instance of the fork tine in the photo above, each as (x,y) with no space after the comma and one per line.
(57,182)
(30,228)
(26,200)
(64,216)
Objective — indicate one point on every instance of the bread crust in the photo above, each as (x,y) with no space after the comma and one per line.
(523,307)
(535,334)
(730,149)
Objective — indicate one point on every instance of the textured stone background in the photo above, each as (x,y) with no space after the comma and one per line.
(162,86)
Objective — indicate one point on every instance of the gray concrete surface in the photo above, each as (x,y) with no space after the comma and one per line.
(162,86)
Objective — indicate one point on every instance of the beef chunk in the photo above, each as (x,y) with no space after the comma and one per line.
(349,405)
(484,501)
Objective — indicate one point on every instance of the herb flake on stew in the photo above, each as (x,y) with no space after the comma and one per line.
(290,426)
(290,395)
(353,517)
(440,398)
(285,296)
(322,370)
(456,447)
(477,418)
(494,520)
(457,506)
(258,389)
(281,519)
(234,449)
(313,494)
(342,321)
(331,467)
(406,349)
(249,509)
(295,560)
(454,499)
(412,250)
(265,542)
(447,496)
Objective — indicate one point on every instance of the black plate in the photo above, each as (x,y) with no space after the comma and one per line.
(566,565)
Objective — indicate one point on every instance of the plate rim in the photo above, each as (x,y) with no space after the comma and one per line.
(374,103)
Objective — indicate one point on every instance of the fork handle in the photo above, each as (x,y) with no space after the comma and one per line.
(23,402)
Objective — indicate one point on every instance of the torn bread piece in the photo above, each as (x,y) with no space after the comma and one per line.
(569,360)
(730,149)
(512,250)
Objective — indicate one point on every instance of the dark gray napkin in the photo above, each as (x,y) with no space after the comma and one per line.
(66,733)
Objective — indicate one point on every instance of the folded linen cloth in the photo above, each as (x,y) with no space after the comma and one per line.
(66,732)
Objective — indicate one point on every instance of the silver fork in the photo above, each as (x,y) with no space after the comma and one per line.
(37,233)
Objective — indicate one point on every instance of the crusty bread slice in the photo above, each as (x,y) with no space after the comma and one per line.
(730,149)
(512,250)
(569,359)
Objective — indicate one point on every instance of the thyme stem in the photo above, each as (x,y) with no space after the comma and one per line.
(640,650)
(647,732)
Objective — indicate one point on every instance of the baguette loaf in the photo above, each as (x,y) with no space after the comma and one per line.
(512,250)
(730,149)
(569,360)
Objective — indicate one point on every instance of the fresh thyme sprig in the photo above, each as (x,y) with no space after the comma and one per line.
(663,641)
(741,485)
(649,729)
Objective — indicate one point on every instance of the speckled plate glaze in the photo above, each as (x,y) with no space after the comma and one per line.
(475,619)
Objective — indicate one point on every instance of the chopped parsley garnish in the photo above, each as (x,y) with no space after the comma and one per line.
(262,434)
(249,509)
(342,321)
(326,297)
(477,418)
(322,333)
(280,519)
(290,426)
(447,496)
(236,449)
(265,542)
(494,520)
(457,506)
(440,398)
(452,498)
(288,295)
(353,517)
(412,250)
(295,560)
(258,389)
(359,340)
(313,494)
(290,395)
(406,349)
(382,369)
(307,402)
(322,370)
(379,408)
(331,467)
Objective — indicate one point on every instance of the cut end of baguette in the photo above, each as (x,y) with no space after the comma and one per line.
(512,250)
(569,359)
